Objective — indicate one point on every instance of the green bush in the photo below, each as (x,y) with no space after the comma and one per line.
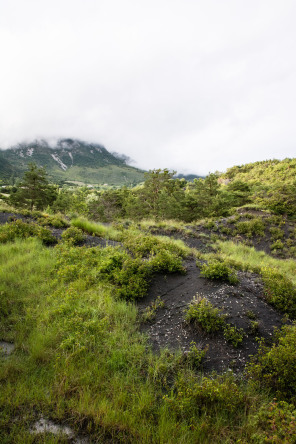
(204,314)
(73,235)
(206,396)
(277,245)
(279,291)
(233,334)
(22,230)
(165,261)
(220,271)
(277,422)
(129,275)
(276,233)
(253,227)
(275,367)
(53,221)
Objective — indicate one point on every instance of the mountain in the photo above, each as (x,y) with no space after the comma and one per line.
(70,160)
(188,177)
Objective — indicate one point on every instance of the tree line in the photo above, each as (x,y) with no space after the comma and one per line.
(161,197)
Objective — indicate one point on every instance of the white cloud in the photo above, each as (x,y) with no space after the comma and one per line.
(190,85)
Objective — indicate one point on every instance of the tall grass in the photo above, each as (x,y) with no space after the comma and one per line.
(81,360)
(94,228)
(251,258)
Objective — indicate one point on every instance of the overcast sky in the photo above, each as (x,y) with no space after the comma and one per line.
(191,85)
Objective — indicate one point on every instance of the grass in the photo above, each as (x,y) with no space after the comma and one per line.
(80,360)
(96,229)
(252,259)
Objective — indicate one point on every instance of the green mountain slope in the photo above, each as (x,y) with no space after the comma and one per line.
(70,160)
(267,172)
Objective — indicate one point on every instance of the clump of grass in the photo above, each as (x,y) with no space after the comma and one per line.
(233,334)
(250,259)
(96,229)
(165,225)
(148,315)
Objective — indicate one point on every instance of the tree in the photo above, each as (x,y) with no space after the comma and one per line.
(34,191)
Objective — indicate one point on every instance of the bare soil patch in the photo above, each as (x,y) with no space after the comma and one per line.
(168,329)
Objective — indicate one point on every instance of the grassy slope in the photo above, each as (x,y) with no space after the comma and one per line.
(264,172)
(80,359)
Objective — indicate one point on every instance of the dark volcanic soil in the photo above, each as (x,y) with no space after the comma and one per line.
(168,329)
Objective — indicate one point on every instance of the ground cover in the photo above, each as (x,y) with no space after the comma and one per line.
(82,365)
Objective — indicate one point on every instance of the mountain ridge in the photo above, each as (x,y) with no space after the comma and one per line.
(70,160)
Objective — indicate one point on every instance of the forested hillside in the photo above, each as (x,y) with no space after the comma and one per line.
(162,313)
(69,160)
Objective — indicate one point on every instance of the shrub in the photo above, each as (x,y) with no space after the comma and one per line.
(53,221)
(277,422)
(149,313)
(202,313)
(277,245)
(166,261)
(276,233)
(251,227)
(73,235)
(195,356)
(220,271)
(233,334)
(207,396)
(275,367)
(128,275)
(22,230)
(279,291)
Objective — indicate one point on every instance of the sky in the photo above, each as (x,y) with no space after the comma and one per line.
(196,86)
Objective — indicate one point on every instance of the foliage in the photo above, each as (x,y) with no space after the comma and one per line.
(201,312)
(211,319)
(149,313)
(220,271)
(248,258)
(166,261)
(73,235)
(129,276)
(22,230)
(207,395)
(275,367)
(279,291)
(233,334)
(34,190)
(254,227)
(277,422)
(94,228)
(56,221)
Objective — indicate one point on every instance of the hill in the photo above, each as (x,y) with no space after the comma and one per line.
(70,160)
(267,171)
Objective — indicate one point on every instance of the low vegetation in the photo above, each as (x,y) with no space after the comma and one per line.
(71,310)
(211,319)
